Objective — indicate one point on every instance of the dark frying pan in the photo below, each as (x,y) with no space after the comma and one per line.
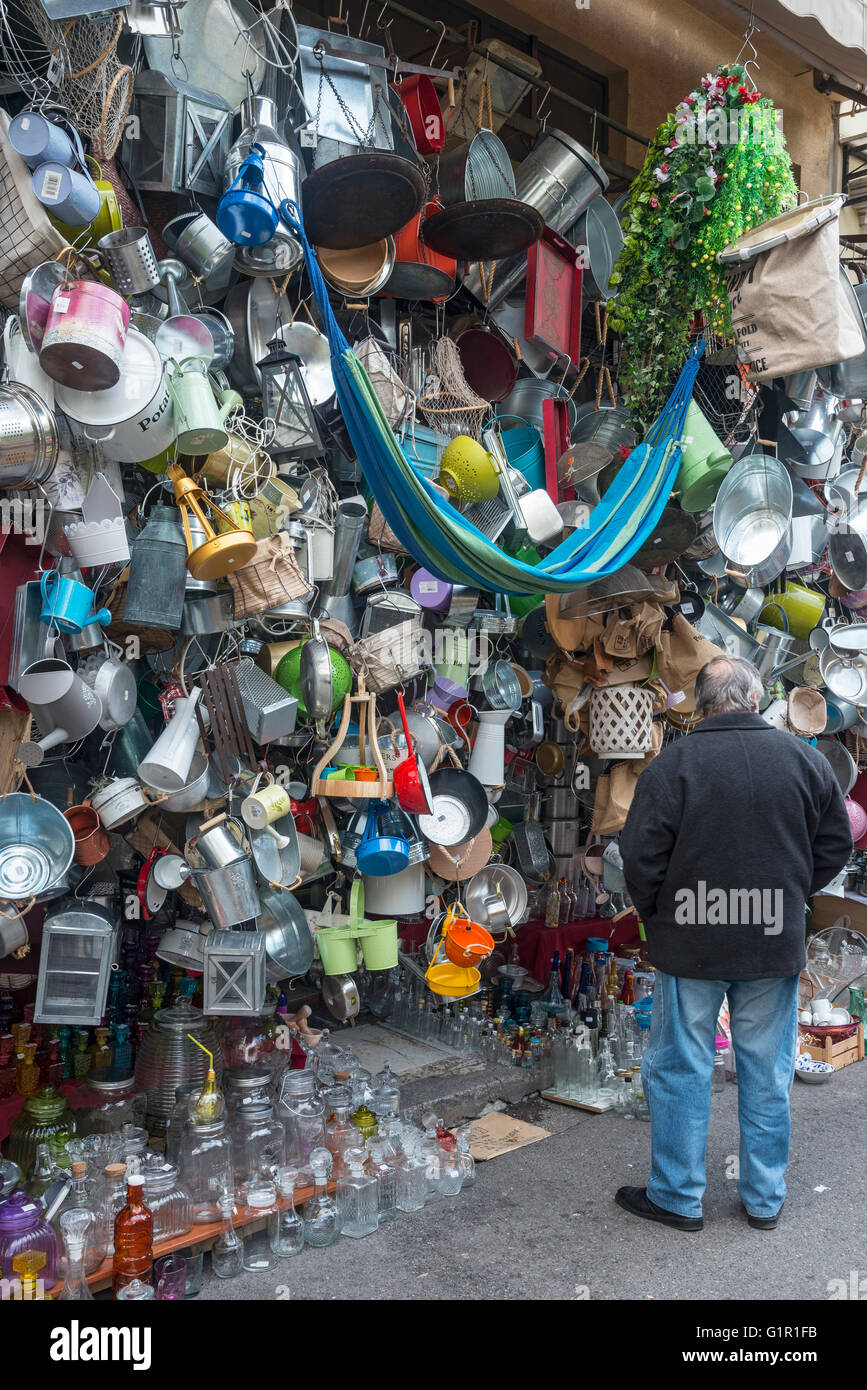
(459,805)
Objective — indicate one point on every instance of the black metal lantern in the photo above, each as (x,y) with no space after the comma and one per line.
(285,401)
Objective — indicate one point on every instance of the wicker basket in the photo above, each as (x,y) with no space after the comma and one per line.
(270,579)
(621,721)
(390,657)
(150,639)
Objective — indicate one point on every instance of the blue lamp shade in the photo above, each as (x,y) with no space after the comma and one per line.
(245,214)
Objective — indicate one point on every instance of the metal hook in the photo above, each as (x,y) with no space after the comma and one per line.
(443,32)
(541,107)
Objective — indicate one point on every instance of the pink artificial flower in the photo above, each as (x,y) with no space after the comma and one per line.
(654,202)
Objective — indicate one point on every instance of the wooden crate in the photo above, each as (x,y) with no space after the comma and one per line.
(839,1054)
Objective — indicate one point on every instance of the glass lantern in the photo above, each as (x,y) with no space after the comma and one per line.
(285,401)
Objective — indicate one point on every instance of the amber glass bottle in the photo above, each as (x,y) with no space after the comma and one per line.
(133,1238)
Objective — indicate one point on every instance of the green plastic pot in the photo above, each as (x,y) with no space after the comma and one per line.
(704,462)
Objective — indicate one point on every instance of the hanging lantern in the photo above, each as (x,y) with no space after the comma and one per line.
(285,401)
(218,555)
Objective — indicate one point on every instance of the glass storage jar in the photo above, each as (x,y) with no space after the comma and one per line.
(182,1111)
(303,1115)
(45,1119)
(206,1167)
(166,1197)
(245,1086)
(107,1101)
(167,1057)
(22,1228)
(258,1145)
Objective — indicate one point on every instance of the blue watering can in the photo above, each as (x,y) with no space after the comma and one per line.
(67,604)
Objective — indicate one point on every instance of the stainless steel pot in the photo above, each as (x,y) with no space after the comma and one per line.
(28,437)
(205,616)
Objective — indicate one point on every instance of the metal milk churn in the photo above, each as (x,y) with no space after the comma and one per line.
(158,572)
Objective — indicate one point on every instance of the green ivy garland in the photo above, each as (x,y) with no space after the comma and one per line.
(709,176)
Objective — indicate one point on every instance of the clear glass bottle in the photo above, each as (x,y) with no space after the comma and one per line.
(227,1254)
(112,1200)
(76,1225)
(341,1134)
(385,1094)
(302,1113)
(288,1234)
(133,1238)
(45,1172)
(323,1219)
(136,1292)
(78,1198)
(385,1168)
(259,1254)
(206,1167)
(412,1181)
(464,1135)
(357,1196)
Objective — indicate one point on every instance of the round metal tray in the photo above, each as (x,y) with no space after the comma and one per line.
(485,230)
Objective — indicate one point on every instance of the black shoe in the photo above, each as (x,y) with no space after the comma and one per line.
(636,1201)
(763,1223)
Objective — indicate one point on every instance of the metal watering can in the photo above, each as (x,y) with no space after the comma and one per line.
(67,604)
(199,420)
(64,706)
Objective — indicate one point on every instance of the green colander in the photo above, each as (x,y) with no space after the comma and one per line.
(288,674)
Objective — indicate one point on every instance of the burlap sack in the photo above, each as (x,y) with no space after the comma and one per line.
(681,653)
(632,632)
(615,789)
(790,310)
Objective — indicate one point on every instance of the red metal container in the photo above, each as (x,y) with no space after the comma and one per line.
(420,272)
(419,96)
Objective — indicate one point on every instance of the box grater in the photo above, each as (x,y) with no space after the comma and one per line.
(270,712)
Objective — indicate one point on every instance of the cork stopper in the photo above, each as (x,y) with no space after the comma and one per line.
(79,1170)
(115,1170)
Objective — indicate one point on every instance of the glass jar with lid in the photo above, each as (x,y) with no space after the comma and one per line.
(167,1199)
(186,1096)
(302,1112)
(258,1146)
(245,1086)
(107,1101)
(22,1228)
(206,1167)
(45,1119)
(385,1094)
(168,1057)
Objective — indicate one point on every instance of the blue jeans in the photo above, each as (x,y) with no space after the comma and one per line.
(676,1072)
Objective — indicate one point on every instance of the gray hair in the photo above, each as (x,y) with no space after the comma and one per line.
(727,684)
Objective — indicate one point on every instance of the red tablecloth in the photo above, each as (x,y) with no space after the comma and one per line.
(537,943)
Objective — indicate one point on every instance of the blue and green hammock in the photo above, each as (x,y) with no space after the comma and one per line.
(441,539)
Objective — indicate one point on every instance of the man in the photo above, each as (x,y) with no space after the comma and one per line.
(730,830)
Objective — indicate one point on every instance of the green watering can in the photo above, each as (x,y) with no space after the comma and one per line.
(704,463)
(199,418)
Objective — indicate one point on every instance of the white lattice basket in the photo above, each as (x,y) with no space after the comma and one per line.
(621,721)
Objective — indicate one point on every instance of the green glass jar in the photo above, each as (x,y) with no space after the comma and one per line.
(45,1119)
(366,1121)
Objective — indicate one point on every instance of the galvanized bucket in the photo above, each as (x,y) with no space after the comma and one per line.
(229,893)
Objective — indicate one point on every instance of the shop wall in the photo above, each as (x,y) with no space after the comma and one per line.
(654,51)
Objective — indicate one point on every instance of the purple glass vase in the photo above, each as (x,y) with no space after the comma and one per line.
(22,1228)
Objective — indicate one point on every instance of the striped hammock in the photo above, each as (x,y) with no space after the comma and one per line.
(442,540)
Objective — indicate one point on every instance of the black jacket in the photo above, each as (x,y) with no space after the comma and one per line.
(730,830)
